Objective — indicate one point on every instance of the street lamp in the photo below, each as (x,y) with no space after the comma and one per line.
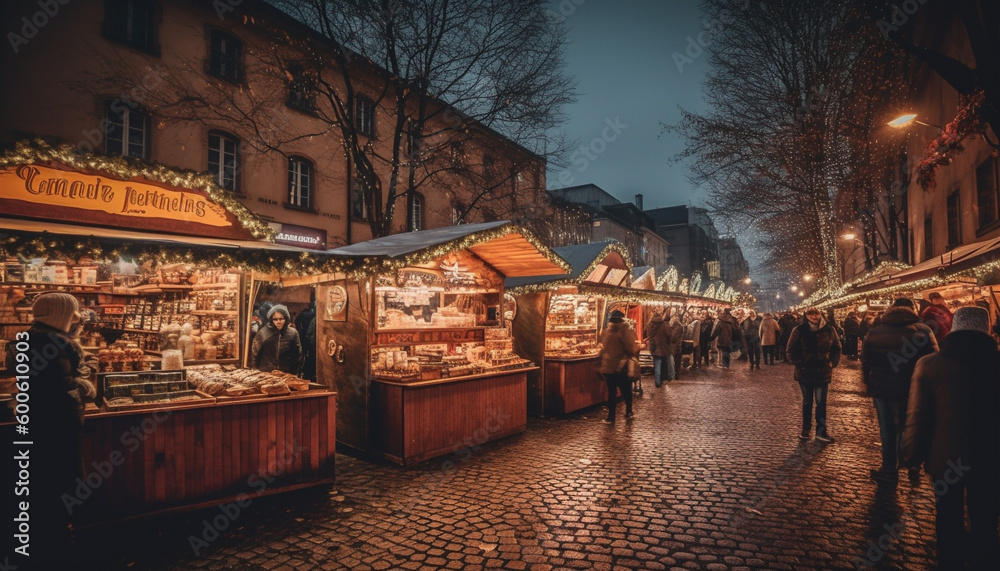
(904,120)
(794,287)
(807,277)
(747,280)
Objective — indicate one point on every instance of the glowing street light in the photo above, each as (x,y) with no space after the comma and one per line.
(747,280)
(849,236)
(802,294)
(807,277)
(904,120)
(794,288)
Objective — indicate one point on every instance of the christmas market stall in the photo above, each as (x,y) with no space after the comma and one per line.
(162,263)
(558,323)
(417,343)
(966,275)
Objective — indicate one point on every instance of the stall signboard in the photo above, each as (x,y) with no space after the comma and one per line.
(41,191)
(301,236)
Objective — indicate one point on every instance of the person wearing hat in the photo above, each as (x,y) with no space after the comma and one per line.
(814,349)
(725,332)
(617,345)
(887,360)
(937,316)
(55,419)
(952,430)
(277,346)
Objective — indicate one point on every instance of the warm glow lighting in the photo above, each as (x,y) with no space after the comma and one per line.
(747,281)
(795,288)
(849,236)
(807,277)
(802,294)
(902,120)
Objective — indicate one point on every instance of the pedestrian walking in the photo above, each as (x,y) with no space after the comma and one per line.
(769,333)
(787,322)
(658,342)
(887,361)
(952,429)
(707,325)
(814,349)
(851,326)
(751,337)
(617,345)
(676,343)
(724,333)
(937,316)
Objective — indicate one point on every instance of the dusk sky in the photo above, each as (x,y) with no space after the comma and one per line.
(621,54)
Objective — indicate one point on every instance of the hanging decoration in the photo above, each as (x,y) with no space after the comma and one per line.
(949,142)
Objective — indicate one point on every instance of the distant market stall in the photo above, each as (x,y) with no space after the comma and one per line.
(416,340)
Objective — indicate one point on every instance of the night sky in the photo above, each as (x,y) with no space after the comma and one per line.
(621,54)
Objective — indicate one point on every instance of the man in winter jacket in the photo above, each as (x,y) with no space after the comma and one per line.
(937,316)
(952,429)
(787,322)
(658,340)
(887,361)
(725,333)
(617,344)
(707,325)
(852,326)
(751,337)
(814,349)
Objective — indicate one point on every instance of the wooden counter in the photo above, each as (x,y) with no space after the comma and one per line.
(170,458)
(573,383)
(411,422)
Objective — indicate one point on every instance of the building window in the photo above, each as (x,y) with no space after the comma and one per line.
(223,159)
(986,192)
(417,212)
(489,169)
(359,210)
(126,131)
(413,143)
(300,182)
(364,116)
(928,236)
(954,220)
(225,57)
(132,22)
(457,213)
(301,89)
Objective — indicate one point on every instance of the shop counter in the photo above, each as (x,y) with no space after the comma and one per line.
(414,421)
(197,455)
(573,383)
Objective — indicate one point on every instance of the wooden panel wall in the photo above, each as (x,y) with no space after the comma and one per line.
(186,456)
(528,330)
(350,378)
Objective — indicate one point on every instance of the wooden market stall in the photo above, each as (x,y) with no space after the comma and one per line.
(417,344)
(558,323)
(162,271)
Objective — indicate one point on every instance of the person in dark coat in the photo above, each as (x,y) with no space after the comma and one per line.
(724,333)
(887,361)
(617,344)
(814,349)
(707,324)
(786,322)
(676,343)
(751,336)
(276,345)
(937,316)
(658,340)
(57,396)
(852,327)
(952,430)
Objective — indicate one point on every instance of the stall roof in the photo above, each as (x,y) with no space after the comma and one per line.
(960,259)
(644,277)
(513,251)
(582,258)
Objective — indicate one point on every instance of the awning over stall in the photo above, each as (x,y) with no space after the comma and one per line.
(512,250)
(597,263)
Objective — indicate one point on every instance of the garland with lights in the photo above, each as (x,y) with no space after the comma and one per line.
(125,168)
(949,142)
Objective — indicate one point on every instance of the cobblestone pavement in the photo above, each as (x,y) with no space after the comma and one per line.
(710,474)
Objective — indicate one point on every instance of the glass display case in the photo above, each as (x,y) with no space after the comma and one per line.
(571,326)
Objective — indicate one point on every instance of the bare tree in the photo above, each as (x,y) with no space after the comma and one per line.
(444,72)
(775,151)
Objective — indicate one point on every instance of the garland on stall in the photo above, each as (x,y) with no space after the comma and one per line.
(125,168)
(949,142)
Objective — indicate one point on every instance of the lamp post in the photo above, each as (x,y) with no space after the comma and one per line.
(904,120)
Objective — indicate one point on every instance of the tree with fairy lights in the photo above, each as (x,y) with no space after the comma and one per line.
(775,151)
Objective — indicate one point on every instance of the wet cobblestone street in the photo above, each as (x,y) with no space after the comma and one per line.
(710,474)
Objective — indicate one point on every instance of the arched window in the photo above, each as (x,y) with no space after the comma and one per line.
(300,175)
(224,160)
